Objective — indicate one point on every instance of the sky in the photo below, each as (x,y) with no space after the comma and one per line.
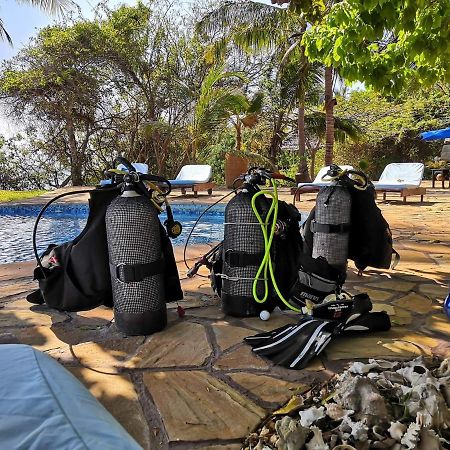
(23,21)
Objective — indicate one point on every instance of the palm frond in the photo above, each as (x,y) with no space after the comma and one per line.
(232,13)
(51,6)
(4,34)
(256,103)
(315,123)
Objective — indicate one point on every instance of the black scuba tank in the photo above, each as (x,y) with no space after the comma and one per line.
(136,263)
(242,253)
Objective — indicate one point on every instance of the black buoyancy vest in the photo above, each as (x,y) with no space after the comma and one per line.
(80,277)
(370,240)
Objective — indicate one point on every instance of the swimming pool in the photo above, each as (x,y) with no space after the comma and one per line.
(64,222)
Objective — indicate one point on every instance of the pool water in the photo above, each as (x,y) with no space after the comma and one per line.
(64,222)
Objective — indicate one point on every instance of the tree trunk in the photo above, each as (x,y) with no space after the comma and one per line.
(303,175)
(238,137)
(75,159)
(276,140)
(313,161)
(329,112)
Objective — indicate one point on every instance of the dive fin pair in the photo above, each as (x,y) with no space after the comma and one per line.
(293,346)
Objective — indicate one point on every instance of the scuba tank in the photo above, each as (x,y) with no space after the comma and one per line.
(261,240)
(242,253)
(136,257)
(331,226)
(326,235)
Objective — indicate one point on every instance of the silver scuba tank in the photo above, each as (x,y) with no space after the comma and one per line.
(136,264)
(242,253)
(331,225)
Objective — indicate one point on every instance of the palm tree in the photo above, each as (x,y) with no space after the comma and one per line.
(316,11)
(50,6)
(256,27)
(217,102)
(317,128)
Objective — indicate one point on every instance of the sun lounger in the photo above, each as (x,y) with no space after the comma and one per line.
(317,183)
(195,177)
(404,178)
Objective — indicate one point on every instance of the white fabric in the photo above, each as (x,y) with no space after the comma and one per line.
(198,173)
(43,406)
(400,175)
(318,180)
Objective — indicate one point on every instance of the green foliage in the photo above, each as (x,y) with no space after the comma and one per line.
(391,127)
(386,44)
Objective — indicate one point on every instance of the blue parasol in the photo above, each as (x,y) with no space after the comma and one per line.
(436,134)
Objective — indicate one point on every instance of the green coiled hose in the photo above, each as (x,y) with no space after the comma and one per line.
(266,265)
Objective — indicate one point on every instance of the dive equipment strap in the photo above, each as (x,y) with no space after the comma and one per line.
(317,227)
(243,259)
(128,273)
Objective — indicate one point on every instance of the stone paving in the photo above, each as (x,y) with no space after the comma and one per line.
(196,385)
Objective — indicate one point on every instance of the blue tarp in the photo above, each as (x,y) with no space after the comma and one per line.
(43,406)
(436,134)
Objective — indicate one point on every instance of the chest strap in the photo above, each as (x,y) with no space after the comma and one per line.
(317,227)
(128,273)
(243,259)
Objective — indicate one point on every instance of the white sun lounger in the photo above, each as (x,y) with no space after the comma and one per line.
(404,178)
(317,183)
(196,177)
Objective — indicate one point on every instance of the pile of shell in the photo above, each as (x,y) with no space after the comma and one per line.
(379,405)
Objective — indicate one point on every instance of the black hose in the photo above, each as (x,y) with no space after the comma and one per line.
(38,218)
(196,223)
(44,208)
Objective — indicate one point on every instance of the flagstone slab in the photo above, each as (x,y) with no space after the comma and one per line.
(183,344)
(207,312)
(41,338)
(415,303)
(17,270)
(434,290)
(276,320)
(17,287)
(393,284)
(40,316)
(375,294)
(118,395)
(241,358)
(427,247)
(439,324)
(402,316)
(112,354)
(267,388)
(196,406)
(411,258)
(228,335)
(396,343)
(441,260)
(97,316)
(21,303)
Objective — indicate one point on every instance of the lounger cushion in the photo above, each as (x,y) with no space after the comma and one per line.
(183,182)
(397,176)
(140,167)
(43,406)
(195,173)
(318,182)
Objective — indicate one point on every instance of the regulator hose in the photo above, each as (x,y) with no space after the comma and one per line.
(266,266)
